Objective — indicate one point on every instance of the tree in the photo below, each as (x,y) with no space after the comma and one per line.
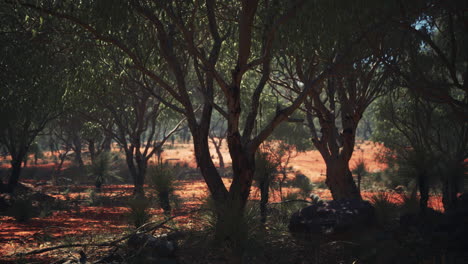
(31,70)
(435,34)
(354,43)
(217,135)
(137,128)
(425,143)
(207,56)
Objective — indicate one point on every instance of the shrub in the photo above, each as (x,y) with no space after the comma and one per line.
(303,183)
(162,179)
(385,210)
(409,204)
(102,169)
(139,211)
(244,233)
(360,169)
(22,209)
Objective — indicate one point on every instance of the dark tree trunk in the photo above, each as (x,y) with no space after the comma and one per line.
(340,180)
(58,168)
(92,150)
(164,202)
(264,195)
(220,156)
(359,178)
(423,191)
(77,149)
(217,146)
(15,174)
(449,194)
(137,171)
(107,144)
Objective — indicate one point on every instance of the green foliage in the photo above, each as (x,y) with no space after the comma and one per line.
(304,184)
(294,134)
(162,180)
(422,138)
(281,213)
(386,211)
(265,167)
(139,211)
(94,199)
(244,230)
(102,168)
(409,204)
(22,209)
(360,168)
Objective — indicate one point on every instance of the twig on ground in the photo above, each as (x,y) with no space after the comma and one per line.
(291,201)
(148,227)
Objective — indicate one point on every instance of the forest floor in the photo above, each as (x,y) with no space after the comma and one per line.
(83,220)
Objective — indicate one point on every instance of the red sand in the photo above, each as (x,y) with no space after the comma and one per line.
(86,220)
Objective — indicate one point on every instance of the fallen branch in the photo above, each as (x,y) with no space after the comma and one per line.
(148,227)
(291,201)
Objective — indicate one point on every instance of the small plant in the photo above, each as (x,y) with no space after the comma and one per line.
(102,169)
(265,170)
(409,203)
(139,211)
(303,183)
(162,179)
(385,210)
(22,209)
(360,170)
(94,198)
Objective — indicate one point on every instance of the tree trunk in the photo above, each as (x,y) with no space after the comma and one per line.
(264,195)
(107,144)
(220,155)
(449,194)
(340,180)
(359,178)
(138,179)
(423,191)
(231,228)
(217,146)
(15,173)
(77,149)
(164,201)
(92,150)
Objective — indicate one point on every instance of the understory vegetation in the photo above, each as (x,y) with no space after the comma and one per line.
(246,131)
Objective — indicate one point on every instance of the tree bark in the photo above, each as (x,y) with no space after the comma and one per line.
(217,146)
(449,195)
(77,149)
(15,173)
(423,191)
(340,180)
(138,174)
(264,195)
(92,150)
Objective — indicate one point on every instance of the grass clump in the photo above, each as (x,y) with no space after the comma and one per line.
(102,169)
(304,185)
(162,179)
(22,209)
(139,211)
(386,211)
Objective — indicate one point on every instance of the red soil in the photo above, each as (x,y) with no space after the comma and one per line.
(82,220)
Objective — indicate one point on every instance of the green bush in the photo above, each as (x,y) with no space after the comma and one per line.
(102,169)
(162,179)
(22,209)
(409,204)
(386,211)
(304,184)
(139,211)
